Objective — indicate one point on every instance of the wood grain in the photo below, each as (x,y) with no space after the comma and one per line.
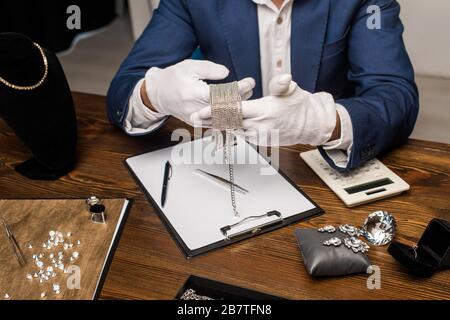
(148,263)
(31,221)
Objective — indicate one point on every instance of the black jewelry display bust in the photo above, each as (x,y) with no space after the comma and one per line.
(43,118)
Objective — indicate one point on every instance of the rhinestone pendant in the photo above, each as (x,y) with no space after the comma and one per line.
(356,245)
(328,229)
(350,230)
(333,242)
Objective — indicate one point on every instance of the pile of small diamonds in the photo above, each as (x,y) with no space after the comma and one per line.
(58,252)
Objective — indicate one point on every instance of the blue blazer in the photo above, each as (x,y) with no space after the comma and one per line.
(332,49)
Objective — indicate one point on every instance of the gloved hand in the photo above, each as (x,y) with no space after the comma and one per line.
(180,91)
(288,116)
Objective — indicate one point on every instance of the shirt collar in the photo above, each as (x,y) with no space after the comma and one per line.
(270,4)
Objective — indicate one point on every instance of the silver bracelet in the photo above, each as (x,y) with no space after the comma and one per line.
(226,113)
(190,294)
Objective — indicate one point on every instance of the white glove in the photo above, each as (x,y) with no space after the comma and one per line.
(180,91)
(288,116)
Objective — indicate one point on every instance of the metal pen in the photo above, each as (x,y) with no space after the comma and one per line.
(167,177)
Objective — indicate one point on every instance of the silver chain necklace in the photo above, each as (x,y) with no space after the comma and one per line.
(226,113)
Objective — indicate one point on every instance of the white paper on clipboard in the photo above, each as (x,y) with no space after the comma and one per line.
(197,209)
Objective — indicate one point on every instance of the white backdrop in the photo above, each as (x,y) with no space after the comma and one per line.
(427,35)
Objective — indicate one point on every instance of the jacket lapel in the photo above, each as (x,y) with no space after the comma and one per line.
(239,19)
(309,25)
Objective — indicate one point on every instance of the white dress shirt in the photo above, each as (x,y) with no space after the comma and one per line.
(275,51)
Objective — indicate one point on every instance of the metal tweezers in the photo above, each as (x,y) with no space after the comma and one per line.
(223,181)
(18,253)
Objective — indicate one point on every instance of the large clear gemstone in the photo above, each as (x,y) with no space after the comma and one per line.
(379,228)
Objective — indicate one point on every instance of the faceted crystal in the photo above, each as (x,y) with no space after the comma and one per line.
(379,228)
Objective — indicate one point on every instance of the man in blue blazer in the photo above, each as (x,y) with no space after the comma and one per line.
(329,73)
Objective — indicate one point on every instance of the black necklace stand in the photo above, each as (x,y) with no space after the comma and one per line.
(43,118)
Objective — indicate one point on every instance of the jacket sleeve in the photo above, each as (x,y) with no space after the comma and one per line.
(169,38)
(384,108)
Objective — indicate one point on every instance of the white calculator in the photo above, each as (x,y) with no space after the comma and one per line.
(370,182)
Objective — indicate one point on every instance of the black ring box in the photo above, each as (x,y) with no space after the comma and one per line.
(432,252)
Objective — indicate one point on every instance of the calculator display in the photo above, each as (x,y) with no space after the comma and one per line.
(368,185)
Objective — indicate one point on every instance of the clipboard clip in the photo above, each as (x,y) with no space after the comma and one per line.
(253,230)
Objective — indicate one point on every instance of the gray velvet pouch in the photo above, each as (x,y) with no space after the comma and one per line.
(321,261)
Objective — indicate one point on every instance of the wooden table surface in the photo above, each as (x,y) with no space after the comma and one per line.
(148,263)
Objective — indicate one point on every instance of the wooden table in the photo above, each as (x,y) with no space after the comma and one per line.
(148,263)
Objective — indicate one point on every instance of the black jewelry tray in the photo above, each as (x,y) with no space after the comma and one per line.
(221,291)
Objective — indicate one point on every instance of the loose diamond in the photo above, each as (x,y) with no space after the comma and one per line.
(379,228)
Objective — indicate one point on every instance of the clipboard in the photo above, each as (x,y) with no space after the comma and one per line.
(198,213)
